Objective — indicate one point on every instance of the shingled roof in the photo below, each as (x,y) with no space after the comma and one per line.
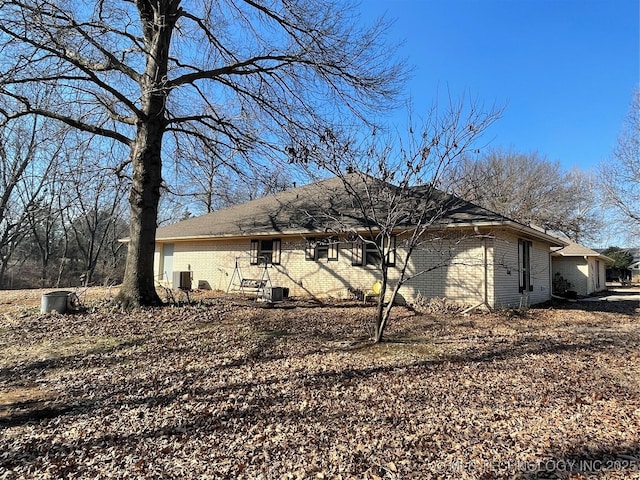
(325,206)
(576,250)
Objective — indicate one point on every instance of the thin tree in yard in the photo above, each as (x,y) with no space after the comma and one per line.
(244,75)
(393,189)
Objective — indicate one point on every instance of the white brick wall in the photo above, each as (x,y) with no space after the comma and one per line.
(456,269)
(574,270)
(214,261)
(507,275)
(582,273)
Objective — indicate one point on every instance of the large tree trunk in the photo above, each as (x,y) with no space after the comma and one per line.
(3,271)
(138,287)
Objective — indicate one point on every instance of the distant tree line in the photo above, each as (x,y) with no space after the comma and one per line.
(529,188)
(64,211)
(621,173)
(61,209)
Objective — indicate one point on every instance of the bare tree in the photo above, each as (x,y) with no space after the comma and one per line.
(95,206)
(621,174)
(24,165)
(202,181)
(46,232)
(393,189)
(530,189)
(68,212)
(244,73)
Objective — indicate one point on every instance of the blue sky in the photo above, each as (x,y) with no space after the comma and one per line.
(564,69)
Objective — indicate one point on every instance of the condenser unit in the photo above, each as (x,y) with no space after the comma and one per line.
(273,294)
(182,280)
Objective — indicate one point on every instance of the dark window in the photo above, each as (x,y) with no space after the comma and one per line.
(321,249)
(524,265)
(371,254)
(367,252)
(265,251)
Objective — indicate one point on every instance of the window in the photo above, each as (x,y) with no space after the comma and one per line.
(321,249)
(368,252)
(254,253)
(356,252)
(524,265)
(371,254)
(265,251)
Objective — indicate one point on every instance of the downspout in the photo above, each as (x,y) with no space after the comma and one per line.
(486,273)
(588,283)
(550,276)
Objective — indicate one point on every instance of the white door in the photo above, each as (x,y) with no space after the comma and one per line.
(167,262)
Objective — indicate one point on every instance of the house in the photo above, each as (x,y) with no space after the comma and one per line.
(635,272)
(624,275)
(579,269)
(634,267)
(302,239)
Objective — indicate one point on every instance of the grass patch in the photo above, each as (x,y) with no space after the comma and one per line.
(22,396)
(68,347)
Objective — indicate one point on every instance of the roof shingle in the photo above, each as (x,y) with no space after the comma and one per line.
(326,206)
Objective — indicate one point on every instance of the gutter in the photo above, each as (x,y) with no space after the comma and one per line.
(518,227)
(509,225)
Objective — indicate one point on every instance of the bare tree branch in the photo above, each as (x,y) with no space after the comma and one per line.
(392,187)
(621,174)
(243,74)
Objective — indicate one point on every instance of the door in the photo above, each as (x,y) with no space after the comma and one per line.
(167,262)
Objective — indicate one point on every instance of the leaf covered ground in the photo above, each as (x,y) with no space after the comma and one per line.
(227,389)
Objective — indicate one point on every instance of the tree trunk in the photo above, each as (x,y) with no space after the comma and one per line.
(138,286)
(3,271)
(384,312)
(381,320)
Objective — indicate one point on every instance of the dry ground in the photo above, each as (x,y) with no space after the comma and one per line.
(228,389)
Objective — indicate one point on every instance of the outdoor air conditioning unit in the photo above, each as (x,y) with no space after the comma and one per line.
(182,280)
(273,294)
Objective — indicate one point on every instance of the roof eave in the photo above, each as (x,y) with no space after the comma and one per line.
(236,236)
(520,228)
(599,256)
(606,259)
(523,229)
